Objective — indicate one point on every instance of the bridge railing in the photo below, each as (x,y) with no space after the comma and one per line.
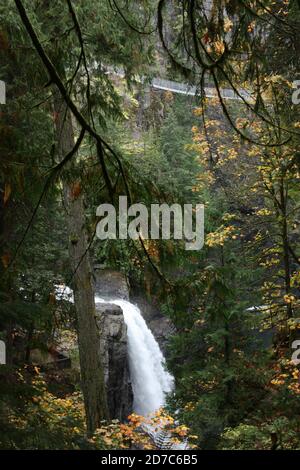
(185,89)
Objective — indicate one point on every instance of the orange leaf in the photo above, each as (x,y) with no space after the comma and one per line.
(75,190)
(55,116)
(206,38)
(5,259)
(7,193)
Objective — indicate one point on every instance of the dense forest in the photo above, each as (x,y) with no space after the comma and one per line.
(165,102)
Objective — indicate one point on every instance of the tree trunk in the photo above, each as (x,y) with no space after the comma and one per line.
(92,376)
(285,246)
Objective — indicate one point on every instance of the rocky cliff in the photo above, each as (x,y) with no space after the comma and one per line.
(110,284)
(113,347)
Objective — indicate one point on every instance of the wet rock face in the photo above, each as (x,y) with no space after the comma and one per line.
(111,284)
(113,348)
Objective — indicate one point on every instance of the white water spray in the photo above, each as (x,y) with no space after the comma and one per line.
(150,380)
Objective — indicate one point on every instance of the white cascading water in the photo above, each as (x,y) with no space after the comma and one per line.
(150,379)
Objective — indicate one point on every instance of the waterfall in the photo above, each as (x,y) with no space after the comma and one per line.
(150,379)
